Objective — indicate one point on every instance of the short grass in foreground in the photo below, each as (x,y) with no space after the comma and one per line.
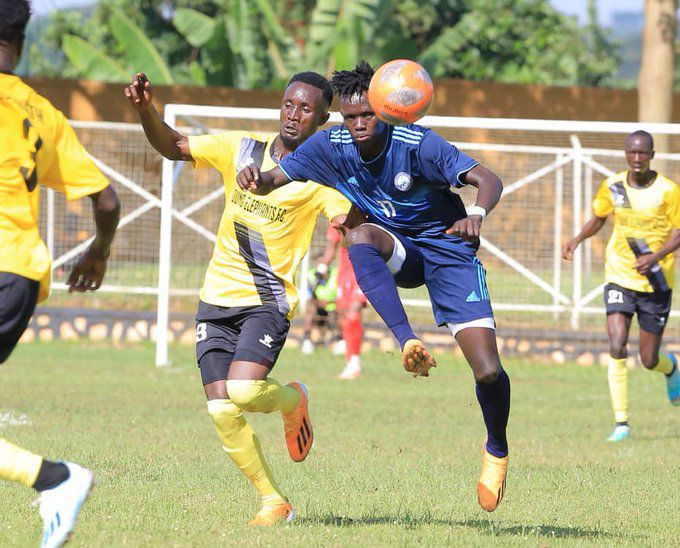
(395,460)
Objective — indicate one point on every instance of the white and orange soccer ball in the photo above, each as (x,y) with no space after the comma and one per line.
(400,92)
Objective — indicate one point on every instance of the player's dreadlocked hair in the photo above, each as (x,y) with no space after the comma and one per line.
(644,134)
(316,80)
(348,83)
(14,16)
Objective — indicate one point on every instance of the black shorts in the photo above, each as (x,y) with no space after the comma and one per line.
(243,333)
(652,309)
(18,297)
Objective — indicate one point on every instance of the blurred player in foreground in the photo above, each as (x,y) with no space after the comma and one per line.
(638,268)
(248,294)
(40,148)
(418,233)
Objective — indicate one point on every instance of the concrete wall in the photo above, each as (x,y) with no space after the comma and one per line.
(89,100)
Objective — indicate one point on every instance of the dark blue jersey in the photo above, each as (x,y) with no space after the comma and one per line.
(407,188)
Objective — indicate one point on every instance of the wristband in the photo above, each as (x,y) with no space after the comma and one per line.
(476,210)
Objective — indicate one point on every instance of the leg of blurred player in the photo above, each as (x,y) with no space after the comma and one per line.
(350,302)
(236,350)
(310,319)
(352,334)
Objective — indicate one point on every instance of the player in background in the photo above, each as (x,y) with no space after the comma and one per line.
(40,148)
(417,233)
(350,302)
(248,294)
(638,268)
(321,303)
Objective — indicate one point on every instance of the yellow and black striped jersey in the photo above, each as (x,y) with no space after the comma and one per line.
(643,220)
(38,147)
(261,239)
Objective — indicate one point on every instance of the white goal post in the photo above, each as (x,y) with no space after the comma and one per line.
(550,169)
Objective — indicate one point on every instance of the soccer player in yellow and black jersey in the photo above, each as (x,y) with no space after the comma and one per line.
(38,147)
(248,294)
(638,268)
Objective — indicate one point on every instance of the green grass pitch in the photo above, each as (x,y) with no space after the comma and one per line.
(395,460)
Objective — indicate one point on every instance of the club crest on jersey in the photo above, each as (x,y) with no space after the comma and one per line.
(403,181)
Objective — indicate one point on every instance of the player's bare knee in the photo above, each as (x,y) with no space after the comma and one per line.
(617,349)
(649,360)
(362,234)
(216,390)
(351,316)
(488,373)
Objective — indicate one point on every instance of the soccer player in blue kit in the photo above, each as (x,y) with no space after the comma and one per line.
(416,232)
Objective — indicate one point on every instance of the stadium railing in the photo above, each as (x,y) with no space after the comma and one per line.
(551,170)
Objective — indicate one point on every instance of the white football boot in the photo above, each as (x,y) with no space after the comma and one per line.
(59,506)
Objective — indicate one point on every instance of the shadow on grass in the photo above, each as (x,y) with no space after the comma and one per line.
(482,526)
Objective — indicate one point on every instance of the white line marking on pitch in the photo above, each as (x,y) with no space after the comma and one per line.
(12,419)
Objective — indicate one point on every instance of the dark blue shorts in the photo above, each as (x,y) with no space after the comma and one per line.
(455,278)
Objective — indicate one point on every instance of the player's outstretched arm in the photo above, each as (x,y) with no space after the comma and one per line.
(591,228)
(88,272)
(261,182)
(170,143)
(489,190)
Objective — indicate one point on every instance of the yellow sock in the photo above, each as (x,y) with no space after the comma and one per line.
(665,364)
(243,447)
(264,396)
(617,375)
(17,464)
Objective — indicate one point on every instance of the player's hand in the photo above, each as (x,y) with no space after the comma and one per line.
(88,272)
(644,263)
(468,228)
(249,178)
(139,92)
(569,248)
(345,223)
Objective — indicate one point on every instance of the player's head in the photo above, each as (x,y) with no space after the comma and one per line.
(304,108)
(351,86)
(639,151)
(14,16)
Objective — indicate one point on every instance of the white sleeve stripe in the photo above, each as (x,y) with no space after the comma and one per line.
(465,171)
(286,173)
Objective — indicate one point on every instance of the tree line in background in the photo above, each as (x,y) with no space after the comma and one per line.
(260,43)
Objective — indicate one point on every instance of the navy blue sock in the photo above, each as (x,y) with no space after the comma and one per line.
(377,283)
(494,399)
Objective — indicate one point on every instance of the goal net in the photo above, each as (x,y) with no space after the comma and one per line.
(550,169)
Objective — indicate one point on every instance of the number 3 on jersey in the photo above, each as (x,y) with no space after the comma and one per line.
(30,174)
(388,208)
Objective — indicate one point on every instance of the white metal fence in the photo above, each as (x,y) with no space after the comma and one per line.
(550,169)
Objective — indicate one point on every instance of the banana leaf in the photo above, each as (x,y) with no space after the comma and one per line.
(195,26)
(138,51)
(93,64)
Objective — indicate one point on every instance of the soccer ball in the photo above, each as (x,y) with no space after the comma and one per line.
(400,92)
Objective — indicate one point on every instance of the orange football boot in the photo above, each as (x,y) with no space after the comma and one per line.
(417,359)
(491,485)
(274,515)
(298,427)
